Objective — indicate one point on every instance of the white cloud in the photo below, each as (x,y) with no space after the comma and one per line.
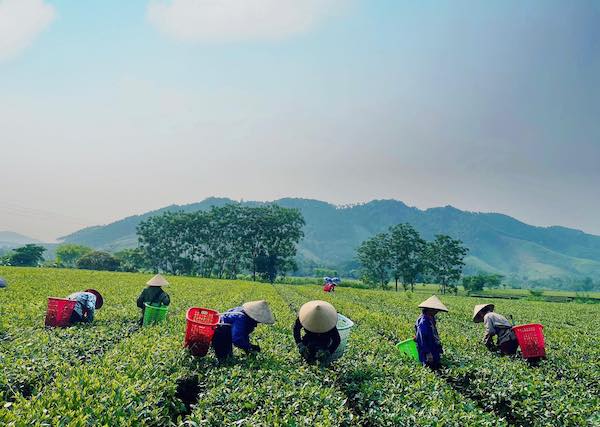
(236,20)
(20,23)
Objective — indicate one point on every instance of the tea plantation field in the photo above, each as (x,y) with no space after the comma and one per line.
(113,373)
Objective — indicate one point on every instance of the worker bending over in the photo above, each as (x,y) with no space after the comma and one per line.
(321,337)
(237,324)
(496,325)
(87,302)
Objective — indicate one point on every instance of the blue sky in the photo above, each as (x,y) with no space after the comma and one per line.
(111,108)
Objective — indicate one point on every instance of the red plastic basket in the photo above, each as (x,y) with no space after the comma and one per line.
(199,329)
(531,340)
(59,312)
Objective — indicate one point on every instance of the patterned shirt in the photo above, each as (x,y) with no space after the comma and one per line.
(86,303)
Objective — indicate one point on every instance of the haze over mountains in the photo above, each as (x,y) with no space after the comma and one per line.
(11,239)
(498,243)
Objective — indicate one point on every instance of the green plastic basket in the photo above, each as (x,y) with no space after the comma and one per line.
(409,347)
(153,314)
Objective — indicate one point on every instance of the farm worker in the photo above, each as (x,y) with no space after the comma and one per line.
(427,338)
(496,325)
(330,283)
(321,337)
(153,294)
(88,302)
(240,322)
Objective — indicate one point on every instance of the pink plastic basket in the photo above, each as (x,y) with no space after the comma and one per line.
(59,312)
(531,340)
(199,329)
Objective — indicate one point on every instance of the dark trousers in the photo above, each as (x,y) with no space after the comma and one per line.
(222,341)
(75,317)
(509,347)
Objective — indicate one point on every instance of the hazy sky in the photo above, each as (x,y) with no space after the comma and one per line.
(110,108)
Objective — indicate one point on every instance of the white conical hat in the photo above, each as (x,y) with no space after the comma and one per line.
(259,311)
(476,317)
(157,280)
(434,303)
(318,316)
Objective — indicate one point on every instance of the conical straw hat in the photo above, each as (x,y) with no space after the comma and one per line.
(434,303)
(259,311)
(477,310)
(318,316)
(157,280)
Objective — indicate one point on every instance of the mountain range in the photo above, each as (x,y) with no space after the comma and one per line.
(9,239)
(497,243)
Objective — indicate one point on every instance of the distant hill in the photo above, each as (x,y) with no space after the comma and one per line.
(497,243)
(9,239)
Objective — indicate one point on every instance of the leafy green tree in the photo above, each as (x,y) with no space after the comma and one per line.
(131,260)
(406,251)
(67,254)
(480,281)
(374,257)
(445,257)
(168,242)
(98,260)
(279,233)
(29,255)
(223,241)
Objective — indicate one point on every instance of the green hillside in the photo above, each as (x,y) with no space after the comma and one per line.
(497,243)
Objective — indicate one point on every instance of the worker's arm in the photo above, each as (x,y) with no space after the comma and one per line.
(142,299)
(424,336)
(490,331)
(240,334)
(164,299)
(297,329)
(335,340)
(89,307)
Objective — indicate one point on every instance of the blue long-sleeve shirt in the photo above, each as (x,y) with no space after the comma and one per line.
(427,338)
(86,303)
(241,327)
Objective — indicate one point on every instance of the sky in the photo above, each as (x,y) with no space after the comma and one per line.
(111,108)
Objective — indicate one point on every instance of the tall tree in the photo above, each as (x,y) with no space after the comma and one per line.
(223,241)
(98,260)
(279,233)
(131,260)
(480,281)
(67,254)
(445,257)
(374,257)
(29,255)
(167,243)
(407,250)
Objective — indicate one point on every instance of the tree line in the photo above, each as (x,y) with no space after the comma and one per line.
(223,241)
(402,255)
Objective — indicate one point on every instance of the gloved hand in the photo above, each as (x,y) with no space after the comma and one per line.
(429,358)
(254,348)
